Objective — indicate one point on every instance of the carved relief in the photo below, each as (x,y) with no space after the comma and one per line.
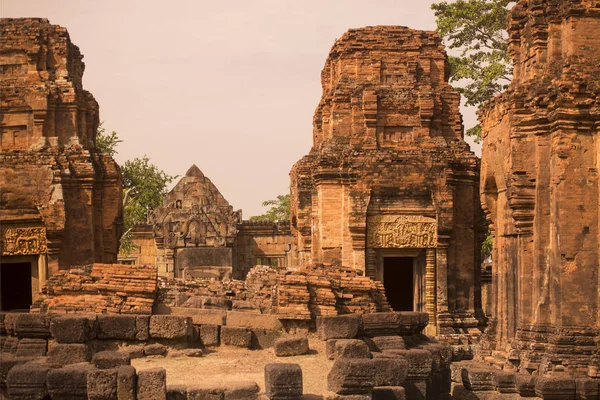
(405,231)
(24,241)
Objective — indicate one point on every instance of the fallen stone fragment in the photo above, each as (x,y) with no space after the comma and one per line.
(291,345)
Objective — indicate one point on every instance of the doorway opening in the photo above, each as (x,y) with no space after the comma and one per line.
(15,286)
(398,280)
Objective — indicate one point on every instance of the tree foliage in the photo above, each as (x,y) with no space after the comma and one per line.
(107,142)
(475,30)
(279,211)
(487,246)
(145,185)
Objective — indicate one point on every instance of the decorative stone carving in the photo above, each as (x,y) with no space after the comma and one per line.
(24,241)
(406,231)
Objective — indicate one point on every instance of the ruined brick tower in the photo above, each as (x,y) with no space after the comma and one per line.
(539,181)
(60,199)
(389,186)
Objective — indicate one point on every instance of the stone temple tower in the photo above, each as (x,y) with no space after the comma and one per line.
(389,186)
(539,179)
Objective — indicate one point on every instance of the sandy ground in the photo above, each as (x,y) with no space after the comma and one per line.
(225,365)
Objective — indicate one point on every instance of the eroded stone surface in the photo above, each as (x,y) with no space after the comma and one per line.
(539,179)
(62,197)
(389,171)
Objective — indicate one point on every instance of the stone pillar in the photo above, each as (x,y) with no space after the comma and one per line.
(430,291)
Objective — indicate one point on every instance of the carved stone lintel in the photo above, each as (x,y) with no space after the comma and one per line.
(24,241)
(405,231)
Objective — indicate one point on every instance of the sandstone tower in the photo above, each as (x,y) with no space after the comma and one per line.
(539,179)
(60,198)
(389,186)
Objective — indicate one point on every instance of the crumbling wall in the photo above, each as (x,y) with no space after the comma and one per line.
(100,288)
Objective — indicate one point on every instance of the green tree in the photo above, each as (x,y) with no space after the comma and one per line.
(279,211)
(487,246)
(475,30)
(144,186)
(107,142)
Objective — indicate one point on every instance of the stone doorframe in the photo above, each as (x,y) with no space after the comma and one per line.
(406,234)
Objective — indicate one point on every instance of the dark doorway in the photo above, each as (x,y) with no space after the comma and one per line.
(398,282)
(15,286)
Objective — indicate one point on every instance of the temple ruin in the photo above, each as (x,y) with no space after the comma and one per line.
(374,290)
(60,200)
(539,178)
(389,186)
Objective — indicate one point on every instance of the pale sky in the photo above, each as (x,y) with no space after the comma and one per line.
(230,86)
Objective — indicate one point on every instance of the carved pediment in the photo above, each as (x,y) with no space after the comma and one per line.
(405,231)
(24,241)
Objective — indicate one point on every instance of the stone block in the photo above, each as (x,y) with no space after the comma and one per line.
(338,326)
(243,390)
(10,320)
(202,392)
(526,384)
(368,396)
(177,392)
(142,327)
(120,327)
(201,317)
(32,326)
(134,351)
(10,345)
(155,349)
(152,384)
(238,337)
(7,362)
(389,393)
(291,345)
(587,389)
(27,381)
(193,352)
(412,322)
(253,321)
(32,348)
(209,335)
(69,382)
(170,327)
(390,371)
(110,359)
(64,354)
(383,343)
(555,386)
(102,384)
(478,379)
(351,376)
(330,348)
(419,361)
(73,328)
(126,383)
(380,324)
(350,348)
(416,389)
(505,382)
(283,381)
(264,339)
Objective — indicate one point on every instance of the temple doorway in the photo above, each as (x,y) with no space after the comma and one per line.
(399,282)
(15,286)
